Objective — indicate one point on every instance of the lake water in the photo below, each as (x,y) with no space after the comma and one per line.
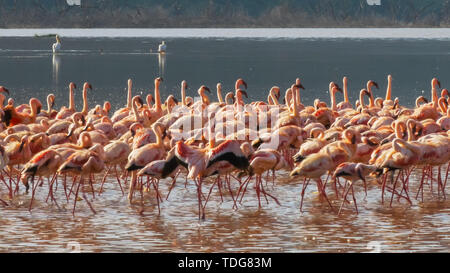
(107,58)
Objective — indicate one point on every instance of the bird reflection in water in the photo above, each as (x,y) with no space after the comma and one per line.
(161,64)
(56,63)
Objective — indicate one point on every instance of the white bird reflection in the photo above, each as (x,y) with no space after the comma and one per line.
(56,61)
(162,64)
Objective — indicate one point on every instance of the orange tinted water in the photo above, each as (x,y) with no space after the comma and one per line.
(118,226)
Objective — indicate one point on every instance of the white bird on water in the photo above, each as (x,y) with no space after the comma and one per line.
(56,46)
(162,47)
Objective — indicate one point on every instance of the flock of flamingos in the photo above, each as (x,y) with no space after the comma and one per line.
(146,141)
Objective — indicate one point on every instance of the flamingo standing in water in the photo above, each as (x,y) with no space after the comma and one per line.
(140,157)
(84,163)
(352,172)
(260,162)
(44,163)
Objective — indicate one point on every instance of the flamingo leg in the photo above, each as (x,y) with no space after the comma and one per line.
(227,179)
(321,189)
(271,196)
(158,197)
(132,185)
(305,184)
(446,175)
(89,203)
(354,200)
(103,180)
(76,195)
(257,187)
(394,184)
(346,190)
(33,192)
(171,187)
(118,179)
(210,190)
(3,202)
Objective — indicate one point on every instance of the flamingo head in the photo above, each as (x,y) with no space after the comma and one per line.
(345,80)
(23,141)
(150,99)
(241,92)
(203,87)
(299,84)
(87,85)
(138,101)
(371,83)
(336,89)
(36,104)
(334,85)
(158,81)
(240,82)
(51,100)
(184,84)
(107,106)
(276,91)
(72,85)
(435,82)
(444,92)
(3,89)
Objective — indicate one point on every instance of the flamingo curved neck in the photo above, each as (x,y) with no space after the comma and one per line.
(389,89)
(183,95)
(434,96)
(345,90)
(333,100)
(274,98)
(157,98)
(85,102)
(49,104)
(135,111)
(295,108)
(361,99)
(130,84)
(219,94)
(158,135)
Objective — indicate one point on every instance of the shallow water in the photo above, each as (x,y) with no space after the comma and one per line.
(118,226)
(28,69)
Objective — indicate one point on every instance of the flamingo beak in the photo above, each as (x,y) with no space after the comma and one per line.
(207,89)
(245,93)
(375,84)
(89,86)
(3,89)
(160,79)
(244,83)
(175,100)
(353,139)
(395,105)
(439,84)
(140,101)
(74,86)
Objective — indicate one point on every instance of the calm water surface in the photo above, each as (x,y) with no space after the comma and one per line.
(28,69)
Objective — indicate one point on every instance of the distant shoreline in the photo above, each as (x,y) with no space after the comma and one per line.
(269,33)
